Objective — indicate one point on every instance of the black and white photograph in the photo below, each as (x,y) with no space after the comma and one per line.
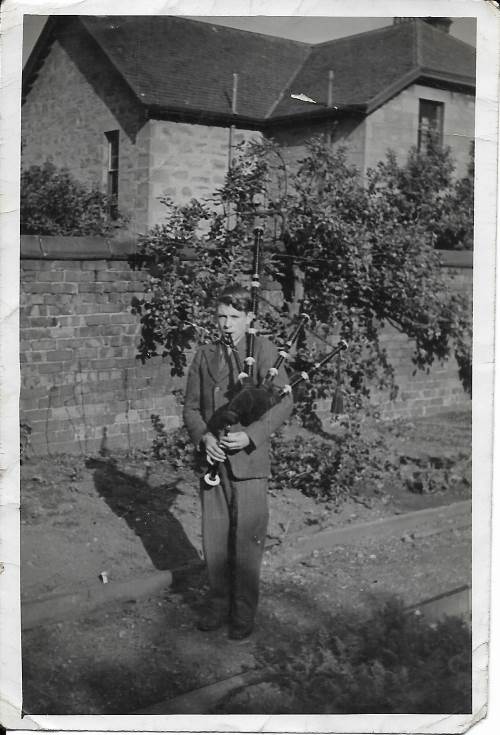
(245,424)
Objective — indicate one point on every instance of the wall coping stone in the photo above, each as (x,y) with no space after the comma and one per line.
(457,258)
(60,247)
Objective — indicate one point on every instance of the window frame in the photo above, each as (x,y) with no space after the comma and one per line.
(113,170)
(424,134)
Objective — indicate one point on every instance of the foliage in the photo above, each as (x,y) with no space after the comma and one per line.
(330,469)
(456,230)
(391,663)
(333,469)
(429,475)
(356,255)
(173,445)
(54,203)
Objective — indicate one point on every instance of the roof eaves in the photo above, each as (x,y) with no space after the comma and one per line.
(37,56)
(198,114)
(316,114)
(448,78)
(287,86)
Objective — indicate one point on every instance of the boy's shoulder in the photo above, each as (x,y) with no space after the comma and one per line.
(203,350)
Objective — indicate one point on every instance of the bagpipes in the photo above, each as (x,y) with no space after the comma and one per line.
(252,401)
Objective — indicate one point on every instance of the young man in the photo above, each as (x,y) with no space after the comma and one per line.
(234,513)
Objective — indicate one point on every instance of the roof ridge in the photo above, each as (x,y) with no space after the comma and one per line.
(237,30)
(435,30)
(417,55)
(288,84)
(373,31)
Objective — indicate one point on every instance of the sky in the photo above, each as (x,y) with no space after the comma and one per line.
(299,28)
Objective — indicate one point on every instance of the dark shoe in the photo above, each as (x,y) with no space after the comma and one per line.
(238,631)
(211,620)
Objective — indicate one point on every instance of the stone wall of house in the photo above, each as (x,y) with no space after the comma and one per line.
(395,125)
(348,132)
(188,160)
(79,373)
(76,99)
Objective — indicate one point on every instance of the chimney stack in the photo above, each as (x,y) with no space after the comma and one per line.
(442,24)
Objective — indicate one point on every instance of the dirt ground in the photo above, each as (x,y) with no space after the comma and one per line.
(84,516)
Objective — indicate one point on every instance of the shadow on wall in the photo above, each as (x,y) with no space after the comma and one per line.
(146,510)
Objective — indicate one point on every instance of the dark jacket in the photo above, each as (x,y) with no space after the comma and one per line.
(209,386)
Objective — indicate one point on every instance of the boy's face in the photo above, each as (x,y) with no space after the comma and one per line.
(232,321)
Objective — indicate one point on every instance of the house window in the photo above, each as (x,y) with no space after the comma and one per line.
(113,138)
(430,124)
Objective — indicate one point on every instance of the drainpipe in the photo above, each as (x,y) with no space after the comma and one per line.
(329,100)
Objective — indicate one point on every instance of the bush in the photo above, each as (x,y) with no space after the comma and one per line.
(173,445)
(54,203)
(334,469)
(391,663)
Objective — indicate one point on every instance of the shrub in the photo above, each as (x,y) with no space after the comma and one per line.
(173,445)
(54,203)
(391,663)
(334,469)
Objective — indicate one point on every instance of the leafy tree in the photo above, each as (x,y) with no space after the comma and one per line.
(355,254)
(54,203)
(457,226)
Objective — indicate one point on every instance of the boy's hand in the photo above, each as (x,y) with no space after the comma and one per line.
(212,448)
(235,440)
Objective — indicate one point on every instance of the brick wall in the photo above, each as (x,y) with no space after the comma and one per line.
(439,389)
(78,344)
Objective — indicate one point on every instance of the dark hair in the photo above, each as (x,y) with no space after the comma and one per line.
(237,297)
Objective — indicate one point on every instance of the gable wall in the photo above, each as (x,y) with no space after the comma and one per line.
(75,99)
(395,125)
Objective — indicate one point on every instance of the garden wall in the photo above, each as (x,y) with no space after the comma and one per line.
(80,379)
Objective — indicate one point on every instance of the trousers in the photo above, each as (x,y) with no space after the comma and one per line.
(235,515)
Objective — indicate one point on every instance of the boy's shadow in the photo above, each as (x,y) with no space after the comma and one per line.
(146,510)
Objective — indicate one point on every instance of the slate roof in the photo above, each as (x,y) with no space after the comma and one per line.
(175,65)
(371,67)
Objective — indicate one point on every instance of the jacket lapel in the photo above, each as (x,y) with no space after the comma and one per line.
(218,369)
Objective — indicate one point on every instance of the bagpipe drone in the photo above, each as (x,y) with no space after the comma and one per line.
(253,400)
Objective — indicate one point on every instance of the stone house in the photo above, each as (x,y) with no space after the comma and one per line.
(149,106)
